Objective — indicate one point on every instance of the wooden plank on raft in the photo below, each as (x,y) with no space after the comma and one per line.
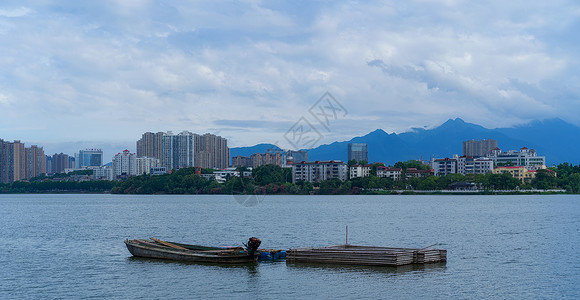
(367,255)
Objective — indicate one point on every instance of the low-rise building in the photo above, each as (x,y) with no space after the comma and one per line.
(360,171)
(524,157)
(158,171)
(319,171)
(145,164)
(388,172)
(518,172)
(444,166)
(414,172)
(103,173)
(473,165)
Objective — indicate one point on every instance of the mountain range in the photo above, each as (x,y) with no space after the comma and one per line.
(555,139)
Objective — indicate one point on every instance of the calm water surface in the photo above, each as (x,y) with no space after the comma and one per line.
(71,246)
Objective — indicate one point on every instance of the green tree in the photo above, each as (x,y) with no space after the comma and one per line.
(573,184)
(267,174)
(545,179)
(504,181)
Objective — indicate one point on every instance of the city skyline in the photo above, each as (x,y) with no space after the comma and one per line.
(98,74)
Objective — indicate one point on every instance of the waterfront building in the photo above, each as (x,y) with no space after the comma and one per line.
(241,161)
(360,171)
(103,173)
(48,163)
(211,151)
(271,158)
(478,148)
(158,171)
(145,164)
(4,161)
(151,145)
(296,156)
(524,157)
(124,164)
(473,165)
(89,158)
(357,152)
(388,172)
(188,149)
(61,162)
(319,171)
(414,172)
(35,162)
(178,150)
(12,161)
(20,163)
(519,172)
(444,166)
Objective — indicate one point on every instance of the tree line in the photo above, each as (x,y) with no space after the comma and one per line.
(272,179)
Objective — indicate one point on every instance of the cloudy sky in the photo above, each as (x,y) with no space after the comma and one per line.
(98,74)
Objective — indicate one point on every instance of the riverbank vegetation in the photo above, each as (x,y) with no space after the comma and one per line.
(271,179)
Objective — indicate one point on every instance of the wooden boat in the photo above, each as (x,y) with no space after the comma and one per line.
(155,248)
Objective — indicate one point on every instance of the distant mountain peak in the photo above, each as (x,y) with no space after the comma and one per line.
(555,138)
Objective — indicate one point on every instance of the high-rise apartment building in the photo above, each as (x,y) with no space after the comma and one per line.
(271,158)
(185,149)
(145,164)
(124,164)
(20,163)
(35,162)
(241,161)
(151,145)
(296,156)
(178,150)
(4,161)
(477,148)
(211,151)
(61,162)
(357,152)
(89,158)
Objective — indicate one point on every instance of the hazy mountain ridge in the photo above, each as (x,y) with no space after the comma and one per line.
(556,139)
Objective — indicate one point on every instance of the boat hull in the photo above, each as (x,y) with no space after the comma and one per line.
(140,249)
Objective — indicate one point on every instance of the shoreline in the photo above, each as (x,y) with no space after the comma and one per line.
(361,193)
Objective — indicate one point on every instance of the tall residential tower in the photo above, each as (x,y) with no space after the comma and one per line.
(357,152)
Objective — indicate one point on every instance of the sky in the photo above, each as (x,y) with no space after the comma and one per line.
(98,74)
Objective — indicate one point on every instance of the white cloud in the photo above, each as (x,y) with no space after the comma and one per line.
(136,66)
(15,12)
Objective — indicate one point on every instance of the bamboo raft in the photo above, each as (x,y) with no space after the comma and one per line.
(366,255)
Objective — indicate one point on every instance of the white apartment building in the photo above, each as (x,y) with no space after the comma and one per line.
(178,150)
(124,164)
(319,171)
(145,164)
(525,157)
(387,172)
(471,165)
(103,173)
(444,166)
(360,171)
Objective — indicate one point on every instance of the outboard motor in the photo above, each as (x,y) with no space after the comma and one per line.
(253,244)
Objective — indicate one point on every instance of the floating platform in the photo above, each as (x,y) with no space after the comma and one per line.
(366,255)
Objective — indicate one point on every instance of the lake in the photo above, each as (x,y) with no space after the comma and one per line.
(71,246)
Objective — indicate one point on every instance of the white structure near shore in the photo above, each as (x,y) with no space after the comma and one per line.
(319,171)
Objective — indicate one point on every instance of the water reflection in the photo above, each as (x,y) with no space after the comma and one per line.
(250,267)
(434,267)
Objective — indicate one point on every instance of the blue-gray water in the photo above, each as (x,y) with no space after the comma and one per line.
(71,246)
